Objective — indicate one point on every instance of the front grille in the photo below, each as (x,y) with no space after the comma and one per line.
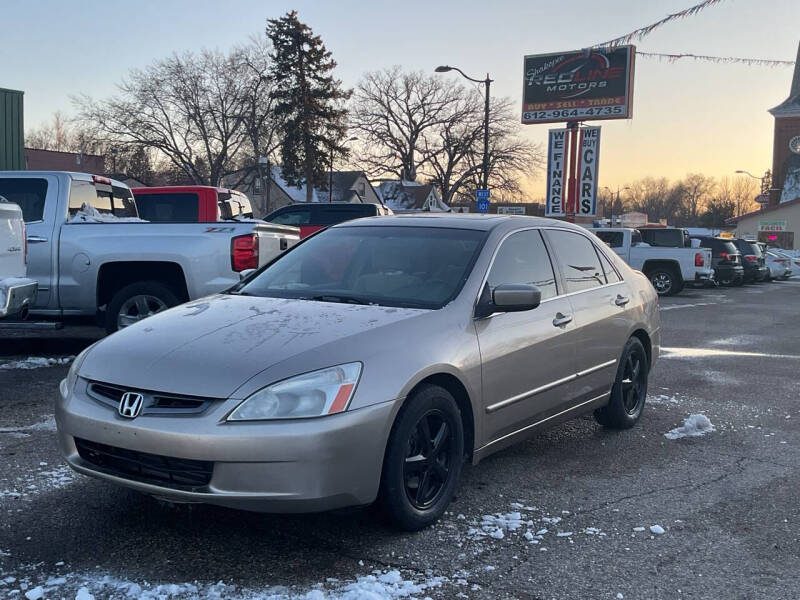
(178,473)
(155,403)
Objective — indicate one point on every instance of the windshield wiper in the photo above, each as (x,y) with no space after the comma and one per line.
(336,298)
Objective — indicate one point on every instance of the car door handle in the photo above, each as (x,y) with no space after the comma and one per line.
(35,239)
(621,300)
(561,320)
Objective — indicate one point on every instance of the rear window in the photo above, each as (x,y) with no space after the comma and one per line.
(612,238)
(296,216)
(108,200)
(168,208)
(29,194)
(665,238)
(728,247)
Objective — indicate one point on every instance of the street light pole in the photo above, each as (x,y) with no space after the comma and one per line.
(619,189)
(487,83)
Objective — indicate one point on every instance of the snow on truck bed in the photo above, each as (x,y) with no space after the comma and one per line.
(89,214)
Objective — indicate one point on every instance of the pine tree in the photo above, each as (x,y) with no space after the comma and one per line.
(309,101)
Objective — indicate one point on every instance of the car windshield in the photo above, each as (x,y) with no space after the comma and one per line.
(413,267)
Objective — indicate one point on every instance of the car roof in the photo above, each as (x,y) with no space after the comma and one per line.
(460,221)
(71,174)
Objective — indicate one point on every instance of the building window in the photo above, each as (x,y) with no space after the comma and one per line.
(258,185)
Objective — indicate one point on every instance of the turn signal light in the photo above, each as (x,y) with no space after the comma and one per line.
(751,258)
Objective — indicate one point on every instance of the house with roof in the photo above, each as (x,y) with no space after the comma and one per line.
(411,196)
(347,186)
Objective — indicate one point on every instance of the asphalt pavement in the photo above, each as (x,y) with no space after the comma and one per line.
(575,513)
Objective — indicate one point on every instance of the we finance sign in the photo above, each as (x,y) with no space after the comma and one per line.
(580,85)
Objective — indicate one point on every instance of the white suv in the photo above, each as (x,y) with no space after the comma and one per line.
(17,293)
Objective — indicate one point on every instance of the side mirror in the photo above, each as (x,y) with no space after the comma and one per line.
(246,273)
(509,297)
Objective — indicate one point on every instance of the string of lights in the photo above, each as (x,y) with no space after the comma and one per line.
(753,62)
(647,30)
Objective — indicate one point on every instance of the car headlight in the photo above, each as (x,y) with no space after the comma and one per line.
(324,392)
(72,375)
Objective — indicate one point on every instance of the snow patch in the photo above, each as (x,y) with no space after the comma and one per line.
(657,529)
(379,585)
(694,425)
(35,362)
(38,482)
(89,214)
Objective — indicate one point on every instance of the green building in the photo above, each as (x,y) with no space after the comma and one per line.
(12,133)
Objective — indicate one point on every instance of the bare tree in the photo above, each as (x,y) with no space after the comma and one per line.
(191,108)
(697,189)
(413,125)
(391,112)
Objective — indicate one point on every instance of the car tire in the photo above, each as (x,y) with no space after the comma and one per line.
(665,280)
(418,479)
(629,391)
(147,297)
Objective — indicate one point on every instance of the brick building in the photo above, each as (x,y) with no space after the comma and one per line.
(50,160)
(786,144)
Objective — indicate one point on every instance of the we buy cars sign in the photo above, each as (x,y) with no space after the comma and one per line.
(579,85)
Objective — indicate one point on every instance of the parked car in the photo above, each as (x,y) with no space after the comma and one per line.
(755,268)
(313,217)
(668,268)
(725,258)
(90,253)
(191,204)
(17,292)
(665,237)
(367,362)
(779,265)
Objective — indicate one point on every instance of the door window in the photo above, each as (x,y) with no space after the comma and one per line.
(610,272)
(522,258)
(577,260)
(28,193)
(293,216)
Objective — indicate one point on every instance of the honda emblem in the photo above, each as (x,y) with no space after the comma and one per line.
(130,405)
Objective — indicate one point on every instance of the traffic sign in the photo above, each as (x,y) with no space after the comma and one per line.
(482,194)
(483,205)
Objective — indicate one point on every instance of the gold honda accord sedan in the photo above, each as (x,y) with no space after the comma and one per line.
(366,364)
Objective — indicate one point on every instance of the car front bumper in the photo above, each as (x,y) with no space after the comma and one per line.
(16,295)
(304,465)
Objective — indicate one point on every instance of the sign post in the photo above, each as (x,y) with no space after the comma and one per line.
(482,197)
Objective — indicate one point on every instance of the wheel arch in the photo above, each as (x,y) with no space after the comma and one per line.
(113,276)
(644,337)
(652,264)
(453,384)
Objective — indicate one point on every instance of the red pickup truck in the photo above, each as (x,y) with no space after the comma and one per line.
(191,204)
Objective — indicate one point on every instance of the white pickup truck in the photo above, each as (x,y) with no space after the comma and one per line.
(668,269)
(17,293)
(91,255)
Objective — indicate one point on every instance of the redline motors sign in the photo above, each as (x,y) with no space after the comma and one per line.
(556,173)
(588,157)
(580,85)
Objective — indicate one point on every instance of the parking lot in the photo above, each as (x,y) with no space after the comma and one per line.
(575,513)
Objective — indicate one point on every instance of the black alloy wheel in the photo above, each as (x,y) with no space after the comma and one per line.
(423,460)
(628,394)
(428,460)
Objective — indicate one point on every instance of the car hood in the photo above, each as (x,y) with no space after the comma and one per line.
(212,346)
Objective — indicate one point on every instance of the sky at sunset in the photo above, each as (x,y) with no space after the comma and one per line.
(687,117)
